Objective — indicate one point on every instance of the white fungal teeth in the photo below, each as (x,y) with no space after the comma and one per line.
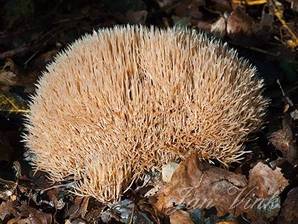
(123,100)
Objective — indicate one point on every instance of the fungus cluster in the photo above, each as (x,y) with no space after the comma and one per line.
(124,100)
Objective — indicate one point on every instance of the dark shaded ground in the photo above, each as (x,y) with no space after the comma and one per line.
(32,32)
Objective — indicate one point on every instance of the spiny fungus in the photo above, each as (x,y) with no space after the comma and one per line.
(125,100)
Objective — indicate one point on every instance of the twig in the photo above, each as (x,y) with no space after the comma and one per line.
(287,99)
(55,187)
(13,52)
(131,215)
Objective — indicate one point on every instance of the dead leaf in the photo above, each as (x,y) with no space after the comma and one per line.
(34,216)
(284,140)
(9,65)
(79,208)
(7,78)
(53,195)
(289,210)
(94,214)
(168,170)
(189,9)
(267,19)
(180,217)
(268,182)
(228,222)
(7,208)
(239,23)
(200,185)
(219,27)
(8,75)
(18,220)
(8,187)
(22,213)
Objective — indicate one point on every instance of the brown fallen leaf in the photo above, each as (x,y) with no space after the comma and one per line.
(219,27)
(199,185)
(289,210)
(18,220)
(34,216)
(57,202)
(8,76)
(228,222)
(189,9)
(79,208)
(22,213)
(239,23)
(8,186)
(267,20)
(168,170)
(180,217)
(284,140)
(7,208)
(266,181)
(94,214)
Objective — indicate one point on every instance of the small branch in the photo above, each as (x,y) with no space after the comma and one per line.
(13,52)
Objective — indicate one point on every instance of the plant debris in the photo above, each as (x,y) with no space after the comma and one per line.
(199,185)
(290,208)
